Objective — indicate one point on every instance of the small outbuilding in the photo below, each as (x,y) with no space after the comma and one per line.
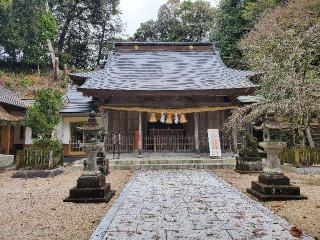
(12,112)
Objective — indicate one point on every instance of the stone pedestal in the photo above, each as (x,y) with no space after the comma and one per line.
(272,184)
(249,165)
(90,188)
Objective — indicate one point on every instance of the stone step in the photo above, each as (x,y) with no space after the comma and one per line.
(171,161)
(173,166)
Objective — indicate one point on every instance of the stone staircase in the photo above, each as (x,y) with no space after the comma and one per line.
(158,164)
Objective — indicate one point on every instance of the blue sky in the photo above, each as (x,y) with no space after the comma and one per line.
(135,12)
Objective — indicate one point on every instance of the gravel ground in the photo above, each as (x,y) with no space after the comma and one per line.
(305,214)
(5,160)
(33,209)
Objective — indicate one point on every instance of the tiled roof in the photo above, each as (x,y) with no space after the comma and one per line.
(167,70)
(7,117)
(76,102)
(11,98)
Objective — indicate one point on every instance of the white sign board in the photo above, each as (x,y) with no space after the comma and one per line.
(214,143)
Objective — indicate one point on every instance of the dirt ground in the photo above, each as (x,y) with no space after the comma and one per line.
(34,209)
(305,214)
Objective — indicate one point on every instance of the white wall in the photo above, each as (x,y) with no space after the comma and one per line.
(28,134)
(62,129)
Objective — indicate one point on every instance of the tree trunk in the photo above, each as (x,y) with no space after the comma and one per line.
(50,159)
(309,137)
(51,52)
(56,73)
(63,34)
(65,28)
(302,139)
(101,43)
(49,43)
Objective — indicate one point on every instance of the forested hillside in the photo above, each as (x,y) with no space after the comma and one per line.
(79,32)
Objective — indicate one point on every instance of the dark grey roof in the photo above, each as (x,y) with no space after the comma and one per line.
(76,102)
(11,98)
(167,70)
(86,74)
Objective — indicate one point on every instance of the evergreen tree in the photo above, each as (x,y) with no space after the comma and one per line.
(234,19)
(25,28)
(186,22)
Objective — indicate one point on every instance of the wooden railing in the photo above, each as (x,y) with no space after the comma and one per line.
(37,159)
(166,143)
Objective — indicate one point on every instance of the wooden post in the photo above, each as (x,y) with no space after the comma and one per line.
(140,135)
(234,140)
(105,120)
(8,137)
(196,133)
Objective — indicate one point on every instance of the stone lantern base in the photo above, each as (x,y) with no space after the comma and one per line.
(274,187)
(91,189)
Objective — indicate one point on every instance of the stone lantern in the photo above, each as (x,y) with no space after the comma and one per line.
(91,185)
(272,184)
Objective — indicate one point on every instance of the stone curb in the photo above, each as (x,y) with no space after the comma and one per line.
(37,173)
(103,226)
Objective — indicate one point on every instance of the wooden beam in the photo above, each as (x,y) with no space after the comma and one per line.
(196,132)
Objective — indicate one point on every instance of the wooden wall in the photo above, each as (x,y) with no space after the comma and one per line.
(128,122)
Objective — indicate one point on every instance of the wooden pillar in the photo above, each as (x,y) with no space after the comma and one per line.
(196,133)
(140,135)
(210,120)
(105,121)
(8,137)
(234,140)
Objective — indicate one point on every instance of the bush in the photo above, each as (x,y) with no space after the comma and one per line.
(250,147)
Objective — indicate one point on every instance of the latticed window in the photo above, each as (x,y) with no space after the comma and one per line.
(76,137)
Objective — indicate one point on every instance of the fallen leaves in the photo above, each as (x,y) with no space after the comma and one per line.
(296,232)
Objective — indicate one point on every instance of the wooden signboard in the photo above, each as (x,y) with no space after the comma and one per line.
(214,143)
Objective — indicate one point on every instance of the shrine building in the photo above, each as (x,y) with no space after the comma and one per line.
(165,96)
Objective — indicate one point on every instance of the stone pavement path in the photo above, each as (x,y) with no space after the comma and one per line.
(187,204)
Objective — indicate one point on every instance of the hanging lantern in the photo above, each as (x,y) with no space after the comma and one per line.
(153,118)
(183,118)
(162,118)
(176,119)
(169,119)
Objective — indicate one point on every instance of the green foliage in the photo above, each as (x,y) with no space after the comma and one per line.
(179,22)
(5,3)
(25,82)
(250,147)
(234,19)
(48,144)
(25,28)
(43,116)
(85,27)
(77,29)
(285,46)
